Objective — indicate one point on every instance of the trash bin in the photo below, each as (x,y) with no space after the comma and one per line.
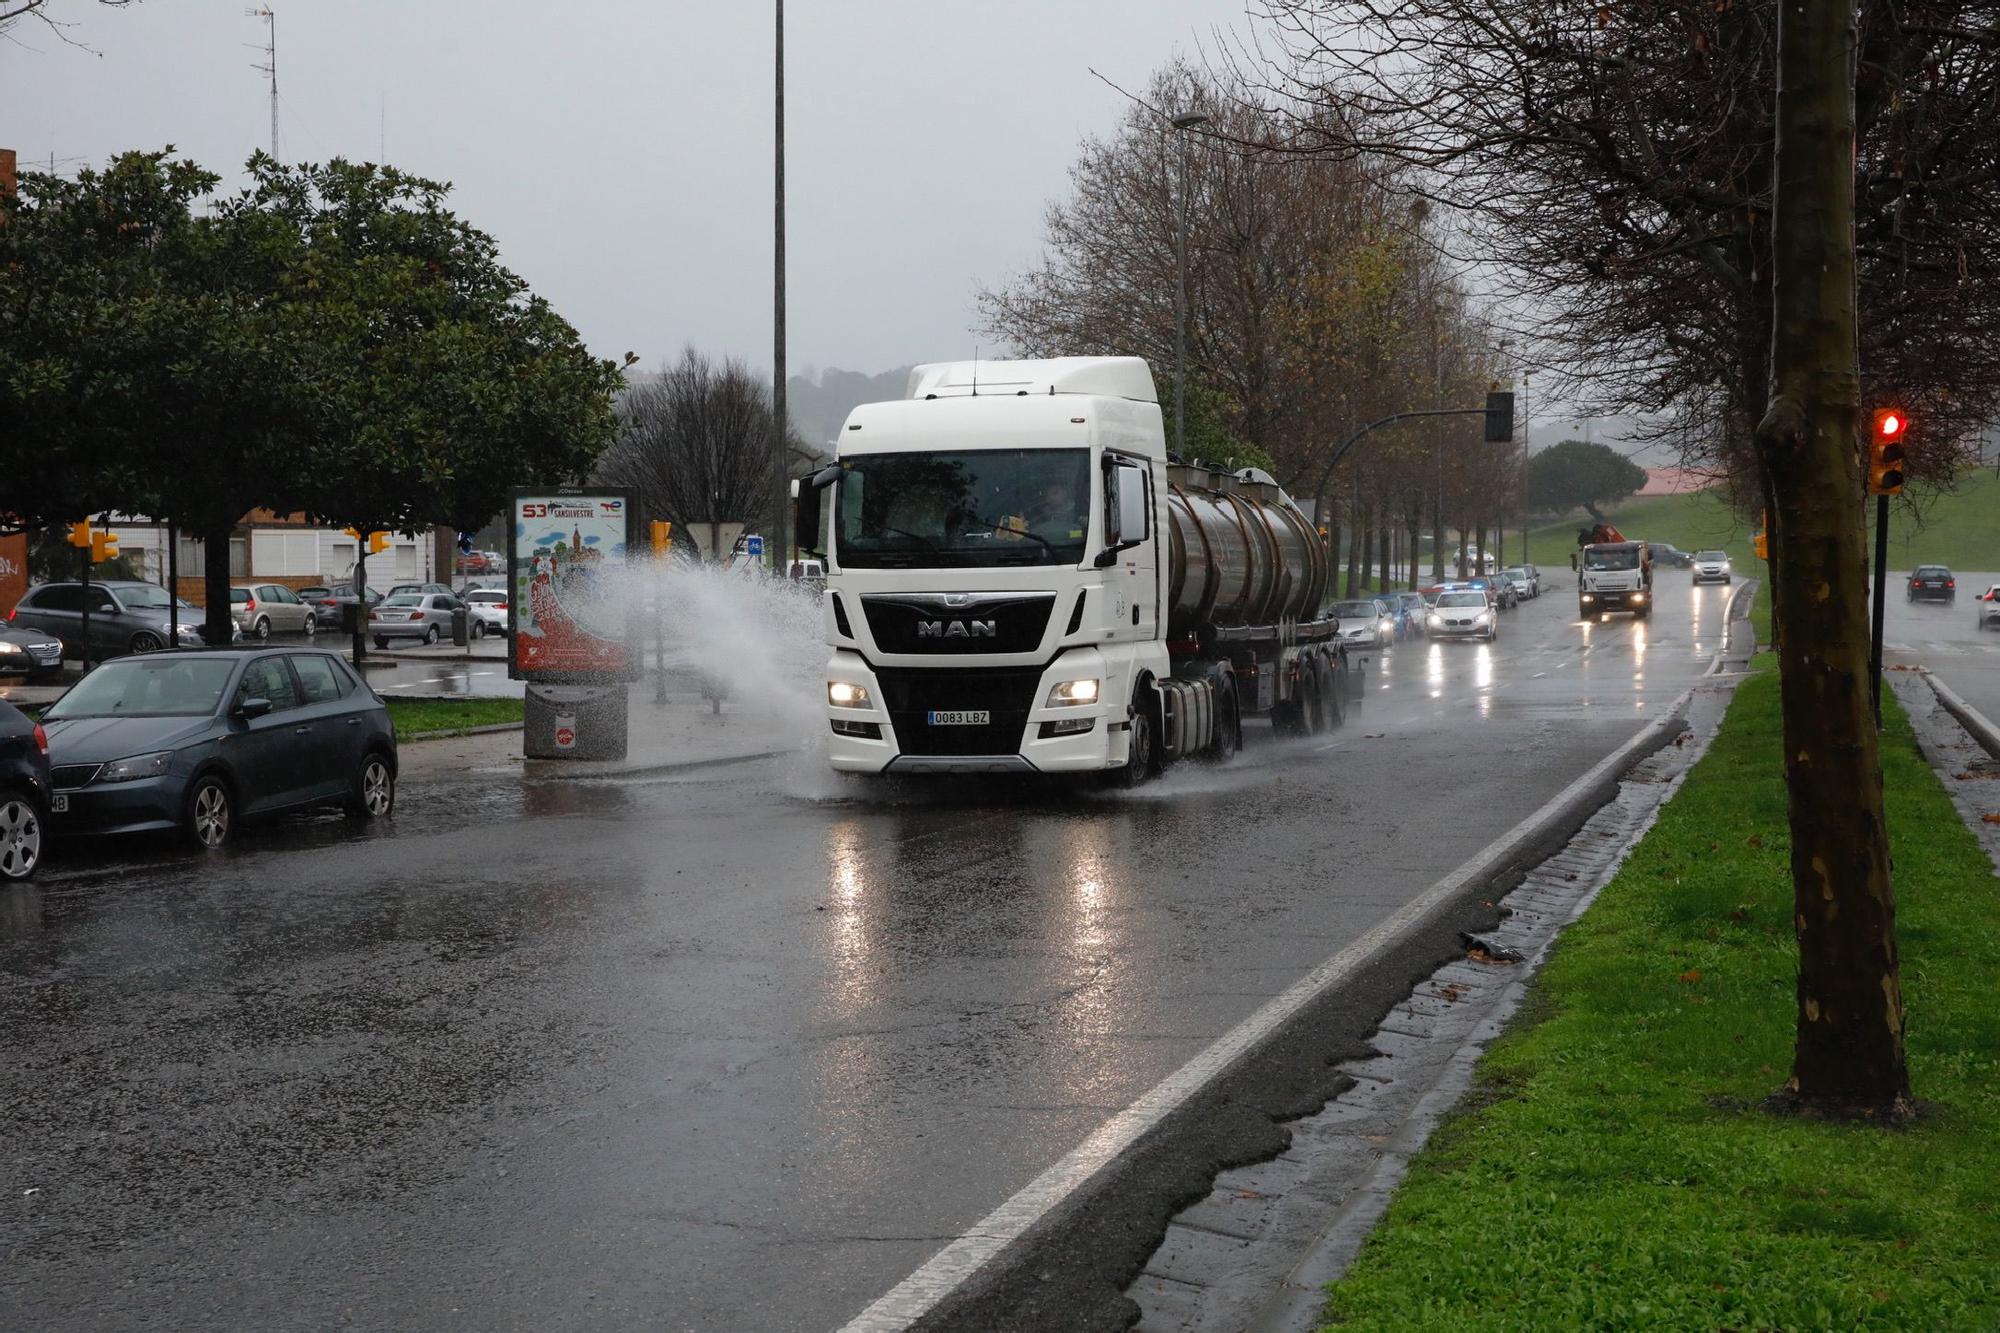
(461,626)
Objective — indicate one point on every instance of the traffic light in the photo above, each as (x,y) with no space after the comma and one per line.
(378,542)
(1885,451)
(663,537)
(79,534)
(1499,418)
(103,546)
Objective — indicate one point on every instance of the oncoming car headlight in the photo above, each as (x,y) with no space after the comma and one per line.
(1434,619)
(1072,693)
(138,766)
(845,694)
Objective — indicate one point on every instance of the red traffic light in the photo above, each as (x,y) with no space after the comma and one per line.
(1889,423)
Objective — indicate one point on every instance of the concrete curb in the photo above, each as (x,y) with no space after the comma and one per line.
(457,733)
(1976,723)
(538,770)
(1094,1163)
(1732,612)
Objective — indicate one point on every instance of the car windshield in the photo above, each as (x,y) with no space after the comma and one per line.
(1357,610)
(1710,555)
(144,597)
(1515,572)
(1461,599)
(1597,557)
(163,686)
(1932,572)
(989,507)
(405,599)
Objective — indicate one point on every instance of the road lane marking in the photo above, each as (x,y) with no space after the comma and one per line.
(947,1270)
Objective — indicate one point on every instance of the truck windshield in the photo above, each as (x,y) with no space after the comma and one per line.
(976,507)
(1627,558)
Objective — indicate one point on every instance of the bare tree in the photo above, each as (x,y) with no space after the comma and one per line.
(13,12)
(696,446)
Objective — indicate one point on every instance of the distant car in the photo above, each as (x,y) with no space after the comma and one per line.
(413,615)
(1932,583)
(125,617)
(195,742)
(1411,609)
(1365,624)
(1988,608)
(1527,580)
(312,592)
(1464,613)
(24,792)
(1711,566)
(1399,619)
(481,585)
(1501,591)
(1510,591)
(260,609)
(488,608)
(326,609)
(402,588)
(31,653)
(1666,553)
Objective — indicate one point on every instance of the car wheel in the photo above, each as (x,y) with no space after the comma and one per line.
(147,642)
(382,644)
(431,634)
(210,817)
(262,629)
(20,836)
(312,626)
(478,629)
(374,794)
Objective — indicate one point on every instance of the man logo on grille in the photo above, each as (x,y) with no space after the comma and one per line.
(957,629)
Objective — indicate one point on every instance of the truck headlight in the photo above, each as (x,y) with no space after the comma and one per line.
(1589,598)
(845,694)
(1072,693)
(138,766)
(1638,596)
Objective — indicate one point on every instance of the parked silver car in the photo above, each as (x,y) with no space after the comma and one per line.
(125,617)
(412,615)
(263,608)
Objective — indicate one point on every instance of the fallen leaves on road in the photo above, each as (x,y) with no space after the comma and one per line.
(1991,819)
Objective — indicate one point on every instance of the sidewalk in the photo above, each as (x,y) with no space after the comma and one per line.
(682,733)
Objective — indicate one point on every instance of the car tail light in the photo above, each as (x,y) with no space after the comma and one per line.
(416,615)
(499,606)
(328,601)
(1951,583)
(250,605)
(41,740)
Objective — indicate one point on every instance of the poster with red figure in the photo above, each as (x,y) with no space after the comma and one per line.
(569,617)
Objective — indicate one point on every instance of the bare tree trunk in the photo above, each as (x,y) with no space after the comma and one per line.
(1388,580)
(1414,521)
(1437,542)
(1848,1055)
(1353,545)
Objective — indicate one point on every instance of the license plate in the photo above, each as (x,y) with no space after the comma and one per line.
(59,805)
(961,718)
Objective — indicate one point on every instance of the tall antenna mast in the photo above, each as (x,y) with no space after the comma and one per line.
(270,65)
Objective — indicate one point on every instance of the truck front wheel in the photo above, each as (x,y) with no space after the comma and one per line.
(1141,751)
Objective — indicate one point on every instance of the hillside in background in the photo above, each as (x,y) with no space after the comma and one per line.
(819,401)
(1961,529)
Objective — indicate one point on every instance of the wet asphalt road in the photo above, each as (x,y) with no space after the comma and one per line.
(735,1050)
(1946,638)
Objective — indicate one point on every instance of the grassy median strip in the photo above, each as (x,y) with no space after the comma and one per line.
(452,717)
(1614,1170)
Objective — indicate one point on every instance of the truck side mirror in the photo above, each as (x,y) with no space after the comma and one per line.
(806,506)
(1127,507)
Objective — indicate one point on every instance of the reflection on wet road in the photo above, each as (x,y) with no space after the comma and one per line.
(731,1050)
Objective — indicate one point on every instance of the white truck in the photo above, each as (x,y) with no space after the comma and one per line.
(1615,576)
(1018,581)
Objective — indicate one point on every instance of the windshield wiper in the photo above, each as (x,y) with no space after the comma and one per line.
(1018,532)
(913,536)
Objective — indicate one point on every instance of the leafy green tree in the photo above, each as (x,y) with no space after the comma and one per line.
(331,340)
(1210,438)
(1575,473)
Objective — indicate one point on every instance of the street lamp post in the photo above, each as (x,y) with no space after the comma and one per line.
(1182,123)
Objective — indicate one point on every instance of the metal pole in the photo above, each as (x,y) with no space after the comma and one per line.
(86,606)
(781,494)
(1182,124)
(1881,586)
(173,588)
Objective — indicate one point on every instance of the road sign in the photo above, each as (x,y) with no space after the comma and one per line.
(753,546)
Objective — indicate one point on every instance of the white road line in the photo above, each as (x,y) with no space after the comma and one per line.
(922,1291)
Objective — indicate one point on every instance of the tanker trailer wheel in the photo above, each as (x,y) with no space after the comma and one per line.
(1310,715)
(1228,725)
(1332,707)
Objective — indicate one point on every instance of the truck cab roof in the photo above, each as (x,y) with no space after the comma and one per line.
(1100,376)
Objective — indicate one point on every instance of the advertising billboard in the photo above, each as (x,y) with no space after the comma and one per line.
(569,605)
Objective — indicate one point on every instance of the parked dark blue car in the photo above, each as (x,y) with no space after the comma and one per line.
(196,742)
(24,793)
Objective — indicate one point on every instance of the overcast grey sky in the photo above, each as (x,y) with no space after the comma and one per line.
(621,150)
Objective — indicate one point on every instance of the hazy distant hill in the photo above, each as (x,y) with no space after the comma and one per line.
(819,401)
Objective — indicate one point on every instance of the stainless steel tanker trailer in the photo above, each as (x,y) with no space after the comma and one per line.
(1019,581)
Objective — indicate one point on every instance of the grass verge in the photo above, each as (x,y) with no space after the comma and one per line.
(1614,1171)
(414,717)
